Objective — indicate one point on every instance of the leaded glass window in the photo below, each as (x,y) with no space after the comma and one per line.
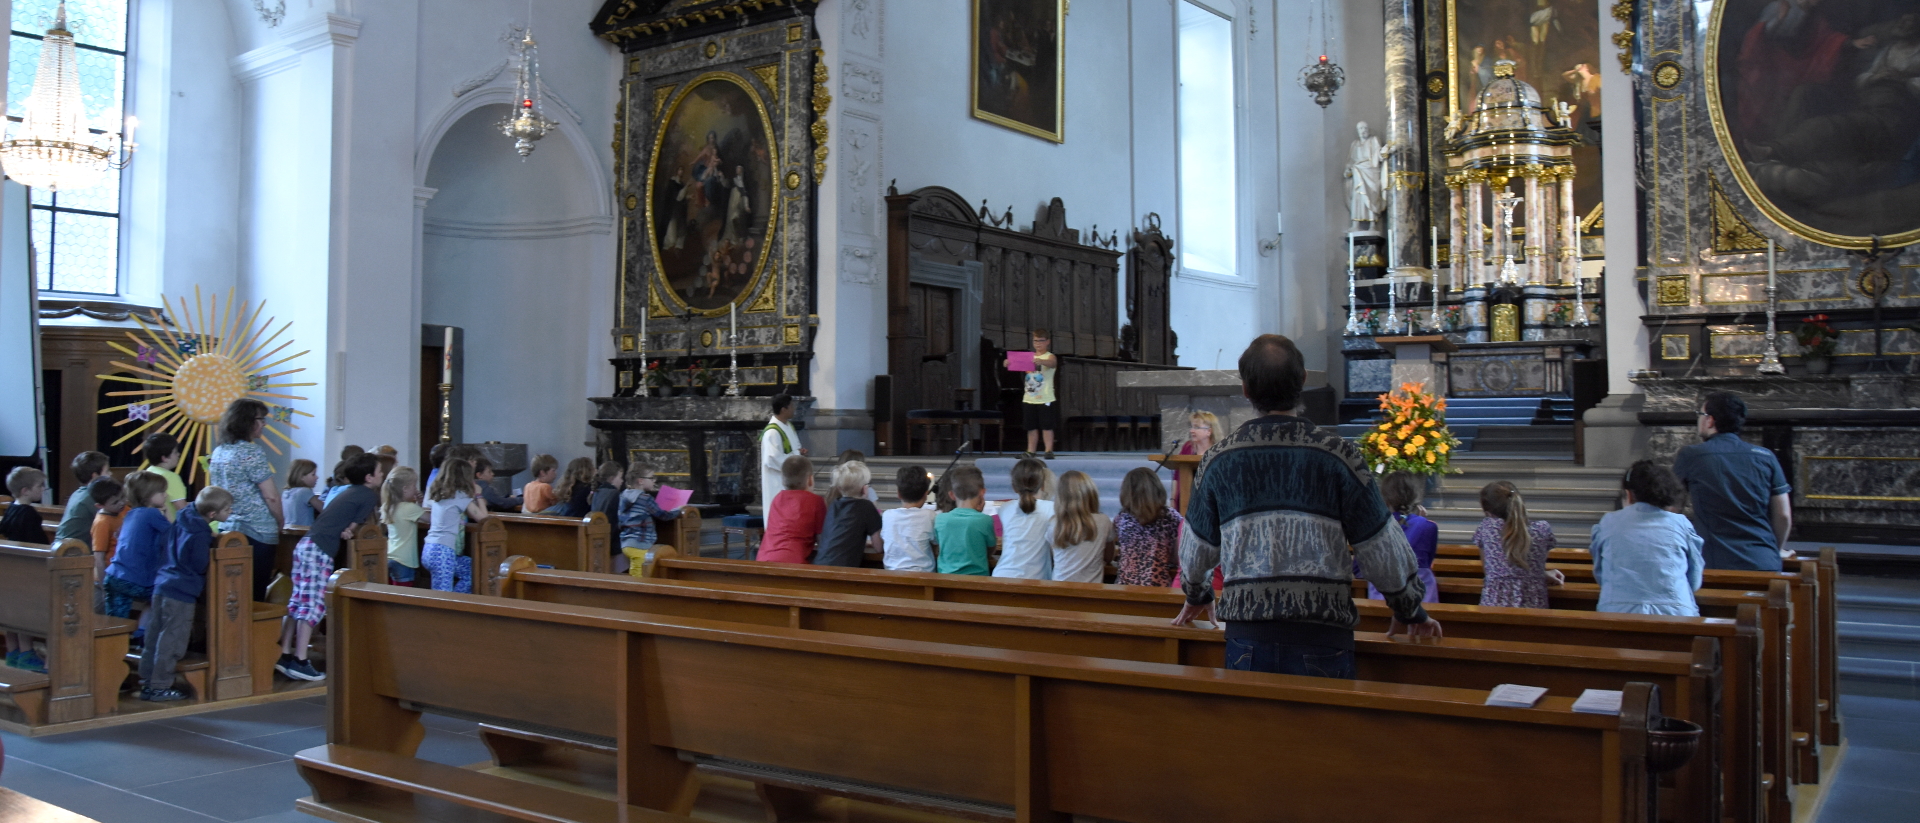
(76,234)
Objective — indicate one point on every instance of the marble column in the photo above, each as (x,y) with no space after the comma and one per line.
(1406,162)
(1569,230)
(1456,234)
(1536,232)
(1476,237)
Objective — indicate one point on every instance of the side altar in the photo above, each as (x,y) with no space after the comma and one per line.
(718,157)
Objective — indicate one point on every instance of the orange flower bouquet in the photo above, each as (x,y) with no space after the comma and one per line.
(1411,434)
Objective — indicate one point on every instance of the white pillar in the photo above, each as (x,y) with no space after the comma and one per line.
(1614,436)
(1569,229)
(1537,212)
(1456,234)
(1476,238)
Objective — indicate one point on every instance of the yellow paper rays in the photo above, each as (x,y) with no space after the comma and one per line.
(215,354)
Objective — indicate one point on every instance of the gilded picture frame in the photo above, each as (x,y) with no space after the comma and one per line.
(1804,150)
(1017,74)
(712,204)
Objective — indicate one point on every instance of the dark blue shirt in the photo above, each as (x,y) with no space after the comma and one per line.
(183,576)
(145,537)
(1732,484)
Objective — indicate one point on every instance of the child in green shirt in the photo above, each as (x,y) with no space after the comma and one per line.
(965,534)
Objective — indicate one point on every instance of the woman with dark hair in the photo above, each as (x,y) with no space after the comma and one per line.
(239,465)
(1646,556)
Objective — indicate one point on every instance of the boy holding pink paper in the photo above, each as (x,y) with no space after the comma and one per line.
(642,503)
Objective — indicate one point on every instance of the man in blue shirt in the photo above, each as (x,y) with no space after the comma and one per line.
(1740,503)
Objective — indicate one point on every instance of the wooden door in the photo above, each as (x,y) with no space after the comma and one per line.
(935,326)
(430,363)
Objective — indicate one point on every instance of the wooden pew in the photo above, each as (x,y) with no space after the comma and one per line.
(1749,660)
(241,635)
(47,592)
(990,733)
(574,543)
(1690,679)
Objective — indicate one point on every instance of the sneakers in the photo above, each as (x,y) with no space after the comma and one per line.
(26,661)
(1026,455)
(1049,455)
(162,695)
(297,669)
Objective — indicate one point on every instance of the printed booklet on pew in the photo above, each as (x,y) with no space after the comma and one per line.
(1515,697)
(1598,701)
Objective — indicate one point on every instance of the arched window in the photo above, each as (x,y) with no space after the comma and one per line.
(76,234)
(1209,153)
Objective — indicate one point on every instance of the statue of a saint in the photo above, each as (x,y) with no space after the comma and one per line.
(1366,165)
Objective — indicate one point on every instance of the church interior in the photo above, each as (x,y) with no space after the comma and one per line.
(800,410)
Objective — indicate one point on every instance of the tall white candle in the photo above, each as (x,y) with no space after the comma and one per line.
(1769,262)
(733,323)
(644,311)
(446,358)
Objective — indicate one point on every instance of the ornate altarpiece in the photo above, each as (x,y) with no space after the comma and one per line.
(719,147)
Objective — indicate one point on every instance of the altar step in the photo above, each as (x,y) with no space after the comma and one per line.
(1879,628)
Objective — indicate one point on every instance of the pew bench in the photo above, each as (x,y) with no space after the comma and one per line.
(1761,709)
(46,592)
(989,733)
(1691,679)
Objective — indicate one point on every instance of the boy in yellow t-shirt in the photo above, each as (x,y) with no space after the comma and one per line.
(162,453)
(1041,414)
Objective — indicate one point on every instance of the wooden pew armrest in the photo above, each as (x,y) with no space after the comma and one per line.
(20,680)
(268,611)
(104,626)
(334,772)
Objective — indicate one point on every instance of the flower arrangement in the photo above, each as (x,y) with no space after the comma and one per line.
(1560,313)
(1370,318)
(1453,316)
(1816,336)
(1412,434)
(655,377)
(701,374)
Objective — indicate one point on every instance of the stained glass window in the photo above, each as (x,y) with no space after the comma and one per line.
(76,234)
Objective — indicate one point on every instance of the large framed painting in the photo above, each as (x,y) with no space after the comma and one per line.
(1019,65)
(1817,107)
(710,193)
(1554,46)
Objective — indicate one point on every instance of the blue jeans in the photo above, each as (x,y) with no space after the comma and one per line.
(1288,658)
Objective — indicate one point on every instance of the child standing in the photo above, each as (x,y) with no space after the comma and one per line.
(638,513)
(22,524)
(1647,556)
(1082,536)
(452,499)
(298,501)
(794,517)
(400,509)
(852,525)
(537,498)
(1147,532)
(965,534)
(318,554)
(1024,528)
(1041,414)
(576,488)
(1513,552)
(1402,492)
(77,523)
(106,524)
(906,533)
(177,587)
(162,452)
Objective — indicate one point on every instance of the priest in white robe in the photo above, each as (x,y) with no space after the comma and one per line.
(778,441)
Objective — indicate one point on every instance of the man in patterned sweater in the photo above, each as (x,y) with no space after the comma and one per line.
(1275,507)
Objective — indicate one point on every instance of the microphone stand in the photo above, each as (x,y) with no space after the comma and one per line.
(940,486)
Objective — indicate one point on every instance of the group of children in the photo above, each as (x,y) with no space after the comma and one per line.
(1052,531)
(150,549)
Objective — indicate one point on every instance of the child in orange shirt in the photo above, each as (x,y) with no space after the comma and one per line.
(108,494)
(537,497)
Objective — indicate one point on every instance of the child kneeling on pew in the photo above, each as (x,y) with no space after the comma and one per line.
(319,553)
(22,524)
(400,509)
(1513,551)
(145,536)
(794,516)
(638,513)
(177,587)
(965,534)
(453,497)
(1646,556)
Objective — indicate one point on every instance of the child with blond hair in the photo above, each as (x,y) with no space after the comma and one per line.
(1082,535)
(852,525)
(640,515)
(297,501)
(401,511)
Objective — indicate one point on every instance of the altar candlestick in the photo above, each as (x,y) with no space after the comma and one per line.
(733,321)
(1770,359)
(1433,259)
(446,358)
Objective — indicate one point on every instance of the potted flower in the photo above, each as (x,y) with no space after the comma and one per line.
(1411,434)
(1370,320)
(655,381)
(1559,313)
(1817,341)
(702,378)
(1453,316)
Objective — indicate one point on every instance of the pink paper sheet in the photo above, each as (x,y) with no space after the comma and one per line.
(1019,361)
(671,498)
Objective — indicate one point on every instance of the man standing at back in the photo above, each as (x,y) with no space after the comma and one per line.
(1739,493)
(778,441)
(1275,506)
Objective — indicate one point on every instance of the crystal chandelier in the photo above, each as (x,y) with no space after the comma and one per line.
(527,121)
(52,148)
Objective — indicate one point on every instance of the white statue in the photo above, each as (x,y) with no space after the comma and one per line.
(1366,165)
